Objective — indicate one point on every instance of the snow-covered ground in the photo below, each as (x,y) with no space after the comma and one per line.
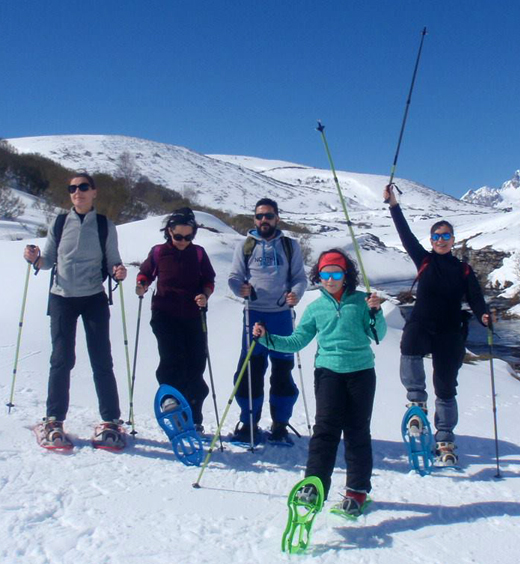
(139,506)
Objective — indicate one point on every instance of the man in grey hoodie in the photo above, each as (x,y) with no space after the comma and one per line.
(77,290)
(268,272)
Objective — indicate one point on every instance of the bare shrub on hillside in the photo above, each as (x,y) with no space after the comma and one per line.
(11,206)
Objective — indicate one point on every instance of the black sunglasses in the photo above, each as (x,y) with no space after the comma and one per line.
(268,216)
(179,237)
(83,187)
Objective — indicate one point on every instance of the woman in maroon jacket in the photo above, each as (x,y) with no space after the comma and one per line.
(185,280)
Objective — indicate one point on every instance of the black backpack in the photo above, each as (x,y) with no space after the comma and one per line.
(102,226)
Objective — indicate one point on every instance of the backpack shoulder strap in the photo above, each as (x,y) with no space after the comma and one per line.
(424,265)
(156,253)
(102,226)
(249,246)
(58,228)
(466,268)
(288,250)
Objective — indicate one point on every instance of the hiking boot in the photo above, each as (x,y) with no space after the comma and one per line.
(415,424)
(445,454)
(109,434)
(307,495)
(169,403)
(242,434)
(53,432)
(50,434)
(280,435)
(353,504)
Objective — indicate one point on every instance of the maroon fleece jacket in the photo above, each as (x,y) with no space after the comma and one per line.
(180,277)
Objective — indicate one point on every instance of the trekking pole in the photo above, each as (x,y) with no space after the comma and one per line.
(213,394)
(301,376)
(133,432)
(493,392)
(249,379)
(405,117)
(224,415)
(125,337)
(19,339)
(321,129)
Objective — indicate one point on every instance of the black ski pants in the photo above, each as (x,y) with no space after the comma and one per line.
(182,352)
(344,403)
(64,313)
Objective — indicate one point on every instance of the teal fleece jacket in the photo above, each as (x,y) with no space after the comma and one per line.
(342,330)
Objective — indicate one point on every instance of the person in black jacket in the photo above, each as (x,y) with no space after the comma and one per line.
(436,326)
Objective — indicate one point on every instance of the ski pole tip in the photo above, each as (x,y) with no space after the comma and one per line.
(320,127)
(196,485)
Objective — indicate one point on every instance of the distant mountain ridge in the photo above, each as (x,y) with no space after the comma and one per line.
(507,196)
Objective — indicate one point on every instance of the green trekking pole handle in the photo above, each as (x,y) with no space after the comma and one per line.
(125,337)
(19,339)
(196,485)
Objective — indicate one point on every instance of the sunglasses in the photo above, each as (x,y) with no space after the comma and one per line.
(333,275)
(444,236)
(268,216)
(179,237)
(83,187)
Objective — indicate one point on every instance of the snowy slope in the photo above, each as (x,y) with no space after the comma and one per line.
(138,507)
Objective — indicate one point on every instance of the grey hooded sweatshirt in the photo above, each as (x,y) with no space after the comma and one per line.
(79,256)
(267,271)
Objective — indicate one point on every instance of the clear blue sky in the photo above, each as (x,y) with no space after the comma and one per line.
(251,77)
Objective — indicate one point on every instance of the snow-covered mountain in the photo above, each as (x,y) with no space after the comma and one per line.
(507,196)
(234,183)
(306,195)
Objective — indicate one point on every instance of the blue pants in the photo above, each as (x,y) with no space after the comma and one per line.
(283,393)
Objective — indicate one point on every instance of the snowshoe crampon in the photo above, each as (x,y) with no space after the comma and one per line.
(279,436)
(445,456)
(50,435)
(419,448)
(351,507)
(242,435)
(174,416)
(305,502)
(109,436)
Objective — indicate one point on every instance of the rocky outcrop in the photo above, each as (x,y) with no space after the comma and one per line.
(483,261)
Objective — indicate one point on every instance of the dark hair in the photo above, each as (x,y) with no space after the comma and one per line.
(267,202)
(84,175)
(351,275)
(441,223)
(182,216)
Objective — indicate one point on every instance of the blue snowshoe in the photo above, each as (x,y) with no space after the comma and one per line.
(418,438)
(174,416)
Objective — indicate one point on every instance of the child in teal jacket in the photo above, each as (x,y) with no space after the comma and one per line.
(344,377)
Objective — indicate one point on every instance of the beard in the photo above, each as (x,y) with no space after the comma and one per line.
(266,230)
